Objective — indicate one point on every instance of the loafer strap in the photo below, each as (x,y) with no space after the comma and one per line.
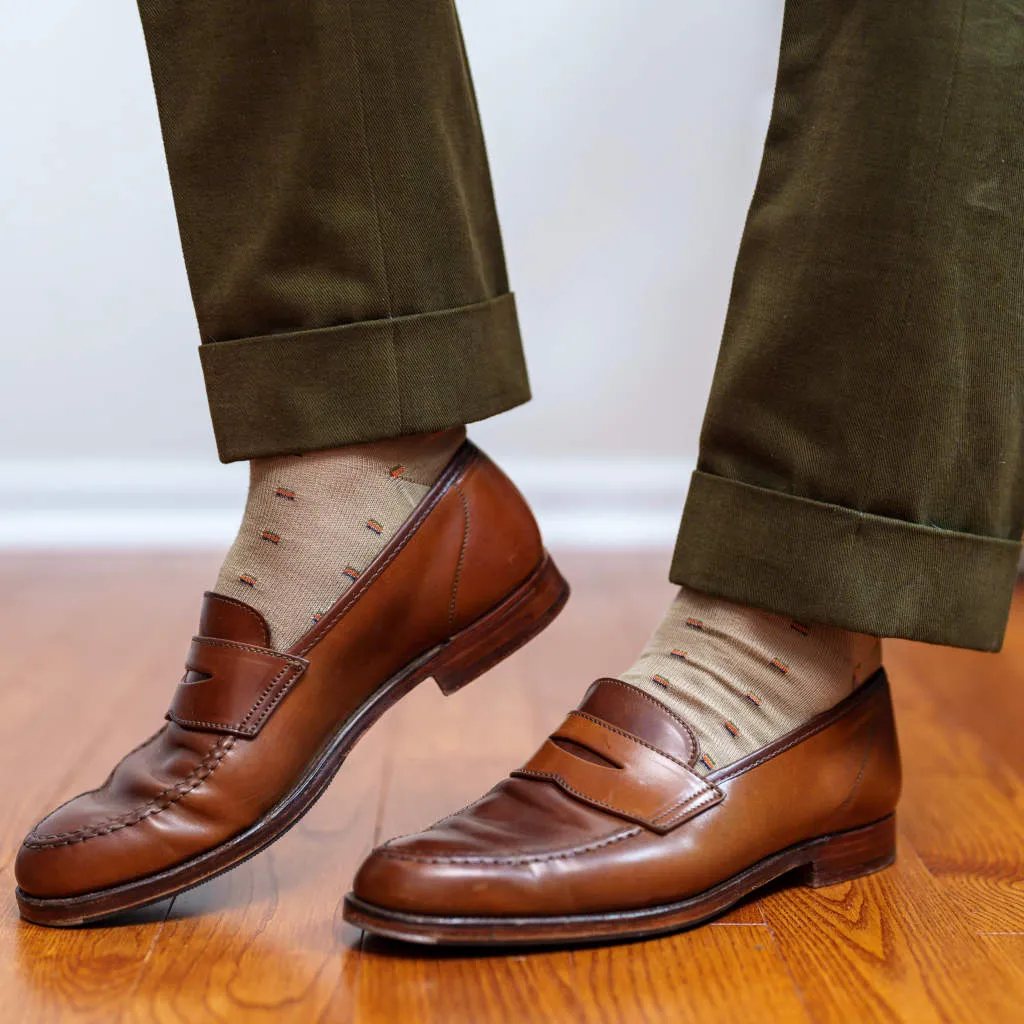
(629,778)
(232,688)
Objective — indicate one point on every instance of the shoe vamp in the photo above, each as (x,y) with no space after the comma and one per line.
(518,818)
(150,776)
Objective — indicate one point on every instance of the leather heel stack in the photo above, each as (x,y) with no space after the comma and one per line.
(849,855)
(515,622)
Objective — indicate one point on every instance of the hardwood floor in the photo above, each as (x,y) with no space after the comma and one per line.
(939,937)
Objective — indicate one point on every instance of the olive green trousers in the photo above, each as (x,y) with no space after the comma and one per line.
(860,462)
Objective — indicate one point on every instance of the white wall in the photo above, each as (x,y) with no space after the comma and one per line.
(624,137)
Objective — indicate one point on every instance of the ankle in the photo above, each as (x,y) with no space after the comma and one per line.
(743,677)
(314,522)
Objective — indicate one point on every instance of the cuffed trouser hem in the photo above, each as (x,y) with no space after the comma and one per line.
(307,390)
(825,563)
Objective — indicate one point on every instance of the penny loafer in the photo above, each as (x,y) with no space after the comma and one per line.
(254,735)
(609,833)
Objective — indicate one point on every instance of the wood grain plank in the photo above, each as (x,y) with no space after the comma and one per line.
(1007,949)
(889,947)
(711,974)
(970,836)
(963,806)
(981,695)
(83,976)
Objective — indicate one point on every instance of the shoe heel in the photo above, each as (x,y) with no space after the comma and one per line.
(851,854)
(503,630)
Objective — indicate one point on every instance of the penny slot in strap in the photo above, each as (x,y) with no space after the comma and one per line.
(585,752)
(651,788)
(232,688)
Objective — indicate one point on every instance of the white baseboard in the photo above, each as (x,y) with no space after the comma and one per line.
(612,502)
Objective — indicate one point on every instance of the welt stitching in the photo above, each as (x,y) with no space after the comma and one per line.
(629,736)
(414,524)
(462,553)
(533,858)
(166,798)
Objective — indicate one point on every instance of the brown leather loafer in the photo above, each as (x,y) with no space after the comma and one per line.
(609,833)
(255,735)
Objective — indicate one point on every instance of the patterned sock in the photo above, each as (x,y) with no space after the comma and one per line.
(314,522)
(742,678)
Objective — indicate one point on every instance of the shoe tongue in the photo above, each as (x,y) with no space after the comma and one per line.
(622,705)
(224,618)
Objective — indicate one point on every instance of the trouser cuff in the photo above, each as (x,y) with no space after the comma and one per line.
(308,390)
(825,563)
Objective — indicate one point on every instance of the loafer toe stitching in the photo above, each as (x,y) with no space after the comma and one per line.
(166,798)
